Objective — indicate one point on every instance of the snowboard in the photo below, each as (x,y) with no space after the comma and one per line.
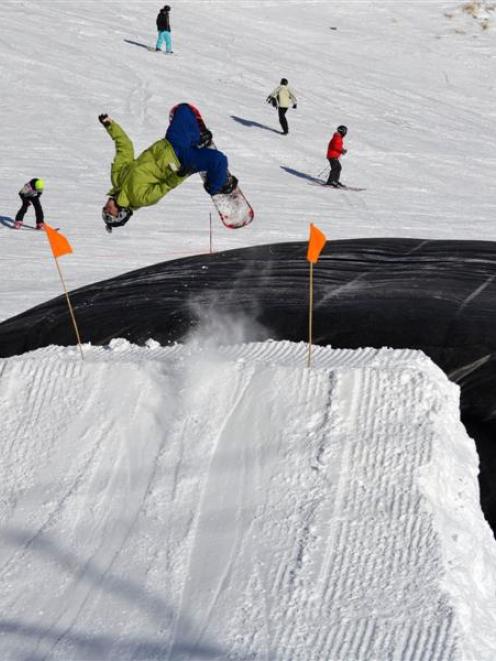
(233,208)
(152,49)
(32,227)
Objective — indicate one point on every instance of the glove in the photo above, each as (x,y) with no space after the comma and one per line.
(294,107)
(206,138)
(104,119)
(345,151)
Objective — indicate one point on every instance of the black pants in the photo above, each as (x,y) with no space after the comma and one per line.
(282,119)
(26,201)
(335,172)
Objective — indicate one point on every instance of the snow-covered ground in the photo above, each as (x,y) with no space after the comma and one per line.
(415,87)
(198,502)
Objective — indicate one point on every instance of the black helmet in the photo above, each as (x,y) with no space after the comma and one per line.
(284,81)
(166,8)
(121,219)
(342,130)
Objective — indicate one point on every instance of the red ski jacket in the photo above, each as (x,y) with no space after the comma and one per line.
(335,147)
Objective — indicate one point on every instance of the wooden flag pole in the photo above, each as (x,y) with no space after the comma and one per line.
(315,244)
(310,317)
(70,308)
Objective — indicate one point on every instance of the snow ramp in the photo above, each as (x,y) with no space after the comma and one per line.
(201,503)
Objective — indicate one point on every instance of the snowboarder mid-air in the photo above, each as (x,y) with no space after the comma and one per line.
(281,98)
(30,193)
(334,151)
(143,181)
(164,30)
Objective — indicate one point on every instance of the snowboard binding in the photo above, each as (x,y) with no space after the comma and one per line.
(229,186)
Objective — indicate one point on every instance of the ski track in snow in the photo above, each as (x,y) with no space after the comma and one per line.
(229,504)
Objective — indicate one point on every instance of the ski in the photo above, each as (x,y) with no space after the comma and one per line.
(322,183)
(352,188)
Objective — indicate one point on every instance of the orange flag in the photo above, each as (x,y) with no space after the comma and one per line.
(58,243)
(315,243)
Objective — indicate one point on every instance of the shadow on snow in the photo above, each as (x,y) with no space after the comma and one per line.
(91,645)
(301,175)
(250,122)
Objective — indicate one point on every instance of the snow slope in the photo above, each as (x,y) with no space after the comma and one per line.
(190,503)
(415,87)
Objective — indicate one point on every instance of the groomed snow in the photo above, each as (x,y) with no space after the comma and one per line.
(199,502)
(193,502)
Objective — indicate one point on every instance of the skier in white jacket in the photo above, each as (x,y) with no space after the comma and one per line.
(281,98)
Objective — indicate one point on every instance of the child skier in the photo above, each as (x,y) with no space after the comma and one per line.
(164,30)
(30,193)
(164,165)
(334,150)
(281,98)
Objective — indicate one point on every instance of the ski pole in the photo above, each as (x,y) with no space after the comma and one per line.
(210,215)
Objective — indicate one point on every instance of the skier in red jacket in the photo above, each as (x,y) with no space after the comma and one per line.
(334,151)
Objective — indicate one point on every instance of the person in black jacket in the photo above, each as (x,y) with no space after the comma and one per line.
(164,30)
(30,194)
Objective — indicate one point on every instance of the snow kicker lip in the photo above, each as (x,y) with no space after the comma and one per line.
(437,296)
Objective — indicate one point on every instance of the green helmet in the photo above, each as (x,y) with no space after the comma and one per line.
(39,184)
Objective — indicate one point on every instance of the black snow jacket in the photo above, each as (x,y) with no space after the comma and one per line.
(163,21)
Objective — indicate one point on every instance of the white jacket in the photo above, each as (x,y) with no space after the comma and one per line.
(284,96)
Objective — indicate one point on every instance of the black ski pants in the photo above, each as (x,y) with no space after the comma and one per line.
(335,172)
(26,201)
(282,120)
